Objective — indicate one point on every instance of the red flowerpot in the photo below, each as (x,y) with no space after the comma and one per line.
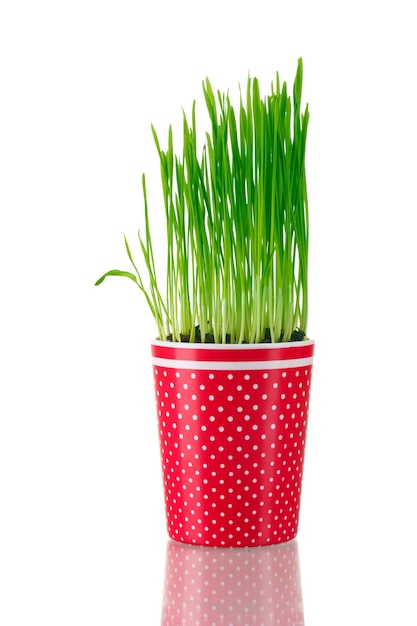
(232,425)
(242,586)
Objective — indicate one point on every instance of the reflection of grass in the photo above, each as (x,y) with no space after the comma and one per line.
(236,222)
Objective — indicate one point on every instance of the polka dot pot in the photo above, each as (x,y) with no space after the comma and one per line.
(243,586)
(232,425)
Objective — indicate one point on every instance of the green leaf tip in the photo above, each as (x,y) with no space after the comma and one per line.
(116,273)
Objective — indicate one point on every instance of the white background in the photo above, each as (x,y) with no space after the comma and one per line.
(82,531)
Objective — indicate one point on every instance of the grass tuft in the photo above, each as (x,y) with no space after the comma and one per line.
(236,218)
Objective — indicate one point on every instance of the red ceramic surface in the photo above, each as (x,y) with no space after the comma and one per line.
(232,424)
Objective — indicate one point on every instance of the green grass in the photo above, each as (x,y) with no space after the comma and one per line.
(236,217)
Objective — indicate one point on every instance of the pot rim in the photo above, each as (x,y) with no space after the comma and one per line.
(182,345)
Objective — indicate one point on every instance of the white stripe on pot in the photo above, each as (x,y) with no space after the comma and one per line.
(232,365)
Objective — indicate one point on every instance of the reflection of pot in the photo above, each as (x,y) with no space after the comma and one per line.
(232,424)
(232,587)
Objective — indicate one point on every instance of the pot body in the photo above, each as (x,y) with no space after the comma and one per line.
(232,426)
